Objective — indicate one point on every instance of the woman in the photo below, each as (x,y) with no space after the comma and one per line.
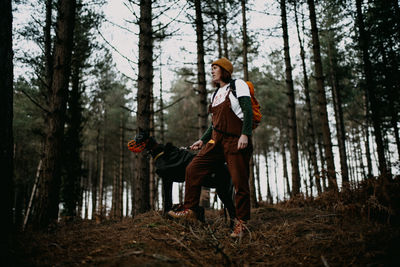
(228,140)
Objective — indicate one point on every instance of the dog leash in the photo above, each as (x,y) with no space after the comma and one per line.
(159,155)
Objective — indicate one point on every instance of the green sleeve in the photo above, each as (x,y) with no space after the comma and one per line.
(245,104)
(207,135)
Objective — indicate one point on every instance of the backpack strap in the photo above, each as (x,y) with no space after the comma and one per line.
(232,85)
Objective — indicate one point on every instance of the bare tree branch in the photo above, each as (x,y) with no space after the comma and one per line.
(114,48)
(170,105)
(35,102)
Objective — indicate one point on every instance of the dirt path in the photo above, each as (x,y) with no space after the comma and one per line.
(278,236)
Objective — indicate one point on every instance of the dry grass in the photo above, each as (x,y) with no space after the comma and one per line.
(355,228)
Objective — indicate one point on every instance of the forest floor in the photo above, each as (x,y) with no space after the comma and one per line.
(318,232)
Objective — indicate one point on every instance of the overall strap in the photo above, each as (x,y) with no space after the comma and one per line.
(215,92)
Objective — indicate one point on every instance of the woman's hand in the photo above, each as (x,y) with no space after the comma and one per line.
(197,145)
(243,142)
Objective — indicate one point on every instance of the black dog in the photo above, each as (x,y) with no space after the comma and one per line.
(171,162)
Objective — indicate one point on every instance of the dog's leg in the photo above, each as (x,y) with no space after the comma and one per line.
(225,191)
(167,193)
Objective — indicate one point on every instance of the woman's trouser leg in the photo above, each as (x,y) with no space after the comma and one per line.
(238,164)
(202,165)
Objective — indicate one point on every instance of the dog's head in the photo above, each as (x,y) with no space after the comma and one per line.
(139,142)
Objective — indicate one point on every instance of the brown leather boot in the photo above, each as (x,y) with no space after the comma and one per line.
(239,229)
(186,214)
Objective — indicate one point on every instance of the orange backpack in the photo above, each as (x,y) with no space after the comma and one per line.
(254,103)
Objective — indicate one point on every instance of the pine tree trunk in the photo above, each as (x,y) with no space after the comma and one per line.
(394,88)
(253,195)
(127,198)
(291,106)
(114,197)
(257,167)
(6,129)
(145,86)
(311,140)
(351,168)
(219,30)
(322,104)
(73,143)
(284,163)
(121,167)
(201,76)
(366,136)
(323,161)
(48,49)
(269,196)
(94,181)
(276,176)
(152,173)
(162,127)
(245,43)
(370,88)
(359,154)
(225,30)
(47,209)
(201,89)
(161,112)
(310,177)
(88,183)
(80,193)
(101,176)
(337,104)
(303,167)
(133,171)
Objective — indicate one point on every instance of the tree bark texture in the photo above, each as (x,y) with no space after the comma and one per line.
(257,176)
(145,86)
(94,180)
(201,88)
(363,42)
(152,171)
(225,30)
(48,49)
(389,59)
(245,43)
(366,136)
(219,30)
(47,209)
(269,195)
(201,76)
(322,104)
(337,104)
(121,166)
(291,107)
(6,129)
(284,165)
(73,144)
(100,211)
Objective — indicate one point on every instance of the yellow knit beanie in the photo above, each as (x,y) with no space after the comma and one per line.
(224,63)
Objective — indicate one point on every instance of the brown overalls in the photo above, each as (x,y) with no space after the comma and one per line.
(222,147)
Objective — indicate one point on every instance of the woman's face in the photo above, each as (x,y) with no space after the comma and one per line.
(216,73)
